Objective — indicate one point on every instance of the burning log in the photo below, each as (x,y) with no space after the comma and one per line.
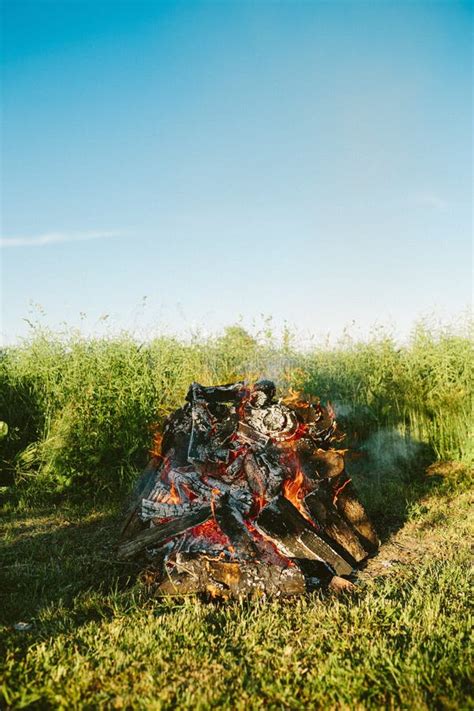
(160,534)
(232,524)
(247,496)
(132,524)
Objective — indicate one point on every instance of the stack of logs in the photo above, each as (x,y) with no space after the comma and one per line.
(248,495)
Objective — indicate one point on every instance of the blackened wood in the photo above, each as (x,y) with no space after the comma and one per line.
(177,435)
(217,393)
(325,514)
(200,444)
(265,387)
(256,476)
(158,510)
(295,536)
(316,573)
(153,536)
(275,474)
(231,523)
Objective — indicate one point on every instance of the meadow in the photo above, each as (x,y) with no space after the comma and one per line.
(80,416)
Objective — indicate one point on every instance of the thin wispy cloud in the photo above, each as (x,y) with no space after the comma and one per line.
(49,238)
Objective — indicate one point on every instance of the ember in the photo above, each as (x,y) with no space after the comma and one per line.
(248,495)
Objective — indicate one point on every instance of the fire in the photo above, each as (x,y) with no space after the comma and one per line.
(298,433)
(338,491)
(155,450)
(294,491)
(210,532)
(175,498)
(225,493)
(259,502)
(295,399)
(215,493)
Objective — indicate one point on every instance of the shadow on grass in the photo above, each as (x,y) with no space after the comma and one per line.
(389,473)
(57,561)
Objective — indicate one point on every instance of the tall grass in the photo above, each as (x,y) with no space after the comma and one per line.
(423,390)
(80,412)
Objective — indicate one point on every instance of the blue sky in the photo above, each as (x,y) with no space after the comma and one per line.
(306,160)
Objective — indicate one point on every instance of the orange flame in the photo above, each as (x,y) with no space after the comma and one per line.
(295,398)
(338,491)
(155,450)
(175,498)
(215,493)
(294,491)
(259,502)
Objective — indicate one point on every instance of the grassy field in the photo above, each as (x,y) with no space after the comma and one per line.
(80,418)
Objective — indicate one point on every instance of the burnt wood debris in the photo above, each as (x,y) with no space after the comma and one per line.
(248,495)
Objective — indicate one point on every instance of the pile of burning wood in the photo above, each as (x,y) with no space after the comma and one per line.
(249,494)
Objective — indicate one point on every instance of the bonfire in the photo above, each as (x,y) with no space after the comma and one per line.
(247,494)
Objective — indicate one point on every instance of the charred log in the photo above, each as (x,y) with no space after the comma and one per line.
(352,509)
(159,534)
(324,512)
(231,522)
(132,523)
(200,574)
(296,537)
